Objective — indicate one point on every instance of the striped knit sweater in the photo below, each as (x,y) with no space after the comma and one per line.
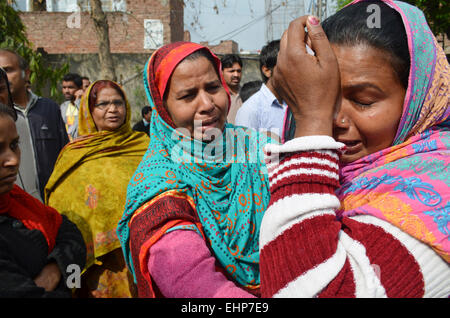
(307,252)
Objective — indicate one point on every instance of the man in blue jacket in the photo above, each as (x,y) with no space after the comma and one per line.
(40,126)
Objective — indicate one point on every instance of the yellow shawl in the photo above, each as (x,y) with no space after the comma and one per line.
(90,178)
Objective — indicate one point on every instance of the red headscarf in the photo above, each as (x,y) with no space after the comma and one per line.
(162,64)
(32,213)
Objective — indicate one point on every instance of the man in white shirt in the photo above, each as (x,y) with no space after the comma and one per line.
(265,110)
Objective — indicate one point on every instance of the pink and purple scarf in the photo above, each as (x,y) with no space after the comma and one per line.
(408,184)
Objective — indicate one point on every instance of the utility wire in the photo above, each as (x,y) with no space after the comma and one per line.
(245,26)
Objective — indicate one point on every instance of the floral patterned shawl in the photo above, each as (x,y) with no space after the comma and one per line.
(408,184)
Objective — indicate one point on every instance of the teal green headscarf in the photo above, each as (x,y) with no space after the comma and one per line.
(226,179)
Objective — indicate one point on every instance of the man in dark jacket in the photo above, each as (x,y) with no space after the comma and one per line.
(144,124)
(39,125)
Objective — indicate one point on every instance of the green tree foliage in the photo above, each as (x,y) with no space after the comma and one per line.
(13,36)
(437,13)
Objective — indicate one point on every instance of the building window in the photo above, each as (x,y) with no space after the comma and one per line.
(22,5)
(71,5)
(76,5)
(154,36)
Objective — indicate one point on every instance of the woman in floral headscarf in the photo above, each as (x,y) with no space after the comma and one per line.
(361,198)
(89,185)
(191,224)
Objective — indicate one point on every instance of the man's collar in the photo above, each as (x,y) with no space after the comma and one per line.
(233,93)
(270,96)
(268,93)
(32,99)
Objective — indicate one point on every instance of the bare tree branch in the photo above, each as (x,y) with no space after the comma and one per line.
(107,70)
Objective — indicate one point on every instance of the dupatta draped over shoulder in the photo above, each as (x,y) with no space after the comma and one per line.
(227,191)
(32,213)
(408,184)
(90,178)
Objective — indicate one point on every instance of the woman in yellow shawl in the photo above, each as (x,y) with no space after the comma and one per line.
(89,185)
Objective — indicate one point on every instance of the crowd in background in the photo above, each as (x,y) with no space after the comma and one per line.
(326,178)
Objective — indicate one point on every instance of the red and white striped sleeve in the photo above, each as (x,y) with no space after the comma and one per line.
(306,252)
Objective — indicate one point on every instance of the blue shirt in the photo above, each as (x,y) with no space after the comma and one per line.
(262,111)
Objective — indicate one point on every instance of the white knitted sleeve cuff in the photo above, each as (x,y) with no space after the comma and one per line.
(305,143)
(274,152)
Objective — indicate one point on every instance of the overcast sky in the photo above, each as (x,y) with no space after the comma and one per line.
(240,20)
(237,16)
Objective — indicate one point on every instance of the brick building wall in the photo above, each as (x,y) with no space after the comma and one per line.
(60,32)
(129,75)
(224,47)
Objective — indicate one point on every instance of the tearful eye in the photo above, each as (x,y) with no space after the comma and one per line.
(213,88)
(362,104)
(187,96)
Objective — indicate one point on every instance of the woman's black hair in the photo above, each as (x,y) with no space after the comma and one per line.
(249,88)
(7,111)
(4,78)
(352,25)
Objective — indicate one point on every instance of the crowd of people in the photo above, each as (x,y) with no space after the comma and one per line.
(326,178)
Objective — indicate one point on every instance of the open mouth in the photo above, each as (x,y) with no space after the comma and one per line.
(352,146)
(208,122)
(209,127)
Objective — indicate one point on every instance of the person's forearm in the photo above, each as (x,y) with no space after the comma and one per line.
(182,266)
(307,252)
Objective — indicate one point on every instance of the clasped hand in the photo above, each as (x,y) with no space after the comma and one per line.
(309,84)
(49,277)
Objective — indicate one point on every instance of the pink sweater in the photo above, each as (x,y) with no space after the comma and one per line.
(307,252)
(182,266)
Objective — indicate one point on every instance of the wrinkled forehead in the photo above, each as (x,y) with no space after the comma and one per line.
(106,93)
(167,62)
(234,66)
(69,84)
(8,57)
